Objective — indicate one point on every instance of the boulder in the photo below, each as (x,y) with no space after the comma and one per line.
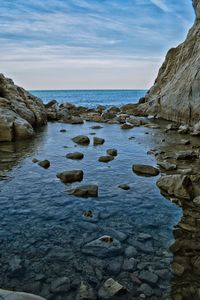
(44,163)
(10,295)
(145,170)
(179,186)
(105,246)
(112,152)
(71,176)
(106,158)
(85,191)
(75,155)
(110,289)
(81,140)
(98,141)
(186,155)
(127,126)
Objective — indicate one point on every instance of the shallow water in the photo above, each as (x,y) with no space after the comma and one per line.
(43,230)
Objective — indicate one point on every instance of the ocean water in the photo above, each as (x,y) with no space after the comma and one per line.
(91,98)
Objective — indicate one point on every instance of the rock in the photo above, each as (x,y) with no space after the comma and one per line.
(61,284)
(44,163)
(114,266)
(176,92)
(20,112)
(130,251)
(85,191)
(167,166)
(85,292)
(172,126)
(105,246)
(186,155)
(98,141)
(177,185)
(35,160)
(184,129)
(15,265)
(148,277)
(75,155)
(126,126)
(63,130)
(51,103)
(71,176)
(106,158)
(124,187)
(81,140)
(9,295)
(111,288)
(185,142)
(146,289)
(196,200)
(144,236)
(96,127)
(196,129)
(130,264)
(145,170)
(177,269)
(112,152)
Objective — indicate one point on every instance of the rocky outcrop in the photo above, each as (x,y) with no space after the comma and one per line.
(176,93)
(20,112)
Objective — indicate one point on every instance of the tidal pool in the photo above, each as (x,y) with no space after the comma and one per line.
(43,230)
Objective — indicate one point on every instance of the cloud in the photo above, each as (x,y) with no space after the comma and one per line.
(162,5)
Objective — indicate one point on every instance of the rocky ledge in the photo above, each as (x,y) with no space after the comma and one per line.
(20,112)
(175,94)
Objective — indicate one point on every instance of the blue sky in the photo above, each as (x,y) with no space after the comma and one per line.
(77,44)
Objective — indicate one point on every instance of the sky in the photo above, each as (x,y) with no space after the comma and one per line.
(89,44)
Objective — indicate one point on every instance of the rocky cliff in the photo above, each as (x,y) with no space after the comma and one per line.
(20,112)
(175,95)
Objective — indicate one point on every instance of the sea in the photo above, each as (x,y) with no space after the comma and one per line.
(91,98)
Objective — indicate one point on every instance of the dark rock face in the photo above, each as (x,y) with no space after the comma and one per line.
(176,93)
(20,112)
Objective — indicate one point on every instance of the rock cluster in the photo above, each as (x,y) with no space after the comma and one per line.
(20,112)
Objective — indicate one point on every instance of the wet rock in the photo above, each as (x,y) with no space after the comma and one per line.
(148,277)
(127,126)
(176,185)
(51,103)
(112,152)
(96,127)
(71,176)
(111,288)
(130,264)
(88,214)
(167,166)
(98,141)
(10,295)
(124,187)
(130,252)
(81,140)
(61,284)
(75,155)
(105,246)
(145,170)
(44,163)
(146,289)
(35,160)
(85,191)
(106,158)
(186,155)
(85,292)
(63,130)
(114,266)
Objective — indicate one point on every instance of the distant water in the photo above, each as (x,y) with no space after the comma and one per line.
(91,98)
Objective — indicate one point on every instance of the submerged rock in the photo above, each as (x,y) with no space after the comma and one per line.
(85,191)
(112,152)
(145,170)
(81,139)
(179,186)
(106,158)
(75,155)
(111,288)
(98,141)
(124,187)
(105,246)
(71,176)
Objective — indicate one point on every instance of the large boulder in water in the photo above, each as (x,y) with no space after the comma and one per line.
(71,176)
(20,112)
(145,170)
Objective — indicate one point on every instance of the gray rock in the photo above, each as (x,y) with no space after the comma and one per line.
(145,170)
(148,277)
(105,246)
(130,252)
(98,141)
(75,155)
(85,191)
(146,289)
(130,264)
(114,266)
(71,176)
(61,284)
(111,288)
(85,292)
(106,158)
(81,139)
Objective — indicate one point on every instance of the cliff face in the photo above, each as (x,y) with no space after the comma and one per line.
(176,92)
(20,112)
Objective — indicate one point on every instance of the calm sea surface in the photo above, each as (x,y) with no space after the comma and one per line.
(91,98)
